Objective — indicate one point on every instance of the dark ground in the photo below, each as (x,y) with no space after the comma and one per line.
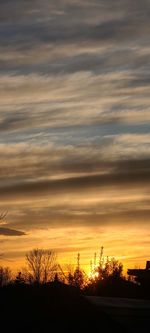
(52,308)
(132,314)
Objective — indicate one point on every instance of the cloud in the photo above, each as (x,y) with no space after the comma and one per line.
(10,232)
(38,103)
(99,21)
(126,174)
(41,163)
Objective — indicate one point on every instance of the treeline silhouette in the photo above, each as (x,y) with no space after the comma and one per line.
(44,297)
(105,279)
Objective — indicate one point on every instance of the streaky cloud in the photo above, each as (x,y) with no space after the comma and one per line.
(11,232)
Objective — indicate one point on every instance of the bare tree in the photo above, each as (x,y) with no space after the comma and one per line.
(49,266)
(3,215)
(41,264)
(5,276)
(24,276)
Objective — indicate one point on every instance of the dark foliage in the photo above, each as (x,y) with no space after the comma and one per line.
(118,287)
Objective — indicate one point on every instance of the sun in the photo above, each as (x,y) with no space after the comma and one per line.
(93,275)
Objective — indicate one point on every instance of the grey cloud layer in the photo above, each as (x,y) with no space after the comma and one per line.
(50,21)
(79,46)
(75,109)
(26,25)
(128,174)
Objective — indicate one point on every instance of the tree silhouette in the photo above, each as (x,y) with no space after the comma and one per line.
(5,276)
(41,264)
(112,268)
(78,278)
(2,216)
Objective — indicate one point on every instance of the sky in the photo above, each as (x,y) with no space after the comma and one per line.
(75,129)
